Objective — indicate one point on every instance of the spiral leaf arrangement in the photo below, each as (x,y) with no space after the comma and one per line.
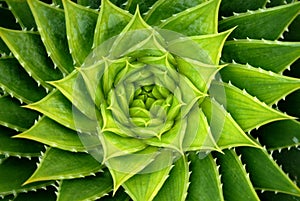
(149,100)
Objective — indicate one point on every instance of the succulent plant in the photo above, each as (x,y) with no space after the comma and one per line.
(149,100)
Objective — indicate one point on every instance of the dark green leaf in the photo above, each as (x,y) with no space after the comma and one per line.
(10,21)
(266,86)
(14,116)
(228,7)
(53,33)
(144,5)
(14,172)
(14,80)
(269,55)
(80,25)
(88,188)
(246,110)
(232,170)
(205,182)
(163,9)
(201,19)
(28,48)
(90,3)
(282,134)
(176,186)
(265,23)
(265,174)
(18,147)
(22,13)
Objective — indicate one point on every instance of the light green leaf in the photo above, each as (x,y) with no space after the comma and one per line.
(266,86)
(124,167)
(226,132)
(14,80)
(146,184)
(176,186)
(53,33)
(111,22)
(74,89)
(265,23)
(18,147)
(199,20)
(13,173)
(14,116)
(58,164)
(272,136)
(198,73)
(58,108)
(31,55)
(80,25)
(53,134)
(232,170)
(88,188)
(246,110)
(163,9)
(205,179)
(265,174)
(22,13)
(269,55)
(115,145)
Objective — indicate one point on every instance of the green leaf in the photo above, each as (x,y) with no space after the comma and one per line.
(246,110)
(13,173)
(115,145)
(80,25)
(88,188)
(22,13)
(31,55)
(164,9)
(176,186)
(205,179)
(271,196)
(4,50)
(53,33)
(53,134)
(146,184)
(272,136)
(90,3)
(266,86)
(111,22)
(120,195)
(269,55)
(264,23)
(198,73)
(58,164)
(226,132)
(14,116)
(199,20)
(232,170)
(74,89)
(18,147)
(124,167)
(14,80)
(58,108)
(144,5)
(228,7)
(265,174)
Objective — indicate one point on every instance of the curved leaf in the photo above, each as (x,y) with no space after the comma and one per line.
(267,23)
(57,164)
(275,56)
(53,33)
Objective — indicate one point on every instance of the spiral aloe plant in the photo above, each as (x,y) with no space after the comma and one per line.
(149,100)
